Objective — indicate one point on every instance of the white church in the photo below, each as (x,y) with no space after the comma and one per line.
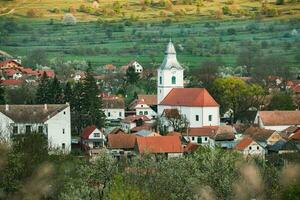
(199,107)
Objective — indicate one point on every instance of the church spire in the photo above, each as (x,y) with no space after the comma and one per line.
(170,60)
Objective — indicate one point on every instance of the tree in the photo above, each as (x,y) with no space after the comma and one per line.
(25,94)
(2,98)
(132,77)
(55,92)
(68,93)
(234,93)
(43,93)
(176,120)
(281,101)
(69,19)
(35,58)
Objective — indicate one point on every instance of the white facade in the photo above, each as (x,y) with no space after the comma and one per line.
(114,113)
(197,116)
(144,109)
(96,139)
(169,74)
(137,67)
(204,140)
(57,129)
(254,149)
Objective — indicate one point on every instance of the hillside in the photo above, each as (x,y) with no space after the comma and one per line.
(86,10)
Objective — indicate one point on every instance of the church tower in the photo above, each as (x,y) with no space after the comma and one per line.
(169,74)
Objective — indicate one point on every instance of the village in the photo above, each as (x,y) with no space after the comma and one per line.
(173,121)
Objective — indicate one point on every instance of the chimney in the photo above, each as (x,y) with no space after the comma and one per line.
(6,107)
(45,107)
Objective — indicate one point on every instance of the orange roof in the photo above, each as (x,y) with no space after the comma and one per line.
(296,89)
(296,135)
(10,82)
(202,131)
(191,147)
(194,97)
(110,67)
(277,118)
(88,131)
(174,133)
(148,99)
(143,127)
(133,118)
(245,142)
(4,63)
(121,141)
(163,144)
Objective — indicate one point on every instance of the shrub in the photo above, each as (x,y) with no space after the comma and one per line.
(279,2)
(226,10)
(33,12)
(69,19)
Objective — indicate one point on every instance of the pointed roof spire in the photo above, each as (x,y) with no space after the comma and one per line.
(170,60)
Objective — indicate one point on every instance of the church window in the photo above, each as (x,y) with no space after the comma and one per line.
(210,118)
(160,80)
(197,117)
(141,113)
(173,80)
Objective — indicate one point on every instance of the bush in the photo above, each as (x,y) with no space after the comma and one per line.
(279,2)
(226,10)
(69,19)
(33,12)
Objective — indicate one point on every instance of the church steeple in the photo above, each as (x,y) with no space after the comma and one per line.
(169,74)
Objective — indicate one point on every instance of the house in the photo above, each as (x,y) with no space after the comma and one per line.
(144,106)
(132,121)
(11,82)
(247,146)
(109,68)
(277,120)
(53,120)
(265,136)
(78,75)
(224,137)
(200,135)
(137,67)
(196,104)
(9,64)
(190,148)
(169,146)
(290,147)
(92,139)
(121,144)
(114,107)
(146,133)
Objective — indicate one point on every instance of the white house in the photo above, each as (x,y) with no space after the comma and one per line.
(196,104)
(92,139)
(133,121)
(137,67)
(277,120)
(248,146)
(53,120)
(114,107)
(142,108)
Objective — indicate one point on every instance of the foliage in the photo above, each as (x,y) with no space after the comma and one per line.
(132,77)
(25,94)
(2,98)
(36,57)
(69,19)
(233,93)
(281,101)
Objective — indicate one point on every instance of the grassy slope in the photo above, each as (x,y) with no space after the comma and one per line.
(150,41)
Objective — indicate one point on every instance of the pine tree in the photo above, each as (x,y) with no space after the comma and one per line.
(76,107)
(2,98)
(67,92)
(42,94)
(55,91)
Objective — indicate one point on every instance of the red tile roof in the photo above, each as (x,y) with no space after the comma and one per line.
(296,89)
(11,82)
(117,131)
(109,67)
(174,133)
(194,97)
(133,118)
(148,99)
(9,72)
(113,102)
(295,135)
(190,147)
(202,131)
(88,131)
(163,144)
(4,63)
(121,141)
(277,118)
(245,142)
(143,127)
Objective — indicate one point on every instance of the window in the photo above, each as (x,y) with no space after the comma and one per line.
(41,129)
(173,80)
(205,138)
(108,114)
(96,144)
(210,118)
(63,131)
(257,147)
(63,145)
(160,80)
(197,117)
(146,113)
(120,114)
(28,129)
(142,105)
(193,138)
(64,112)
(15,129)
(141,113)
(199,140)
(250,148)
(96,134)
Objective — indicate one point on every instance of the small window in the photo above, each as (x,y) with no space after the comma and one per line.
(146,113)
(63,145)
(96,134)
(120,114)
(15,129)
(160,80)
(250,147)
(193,138)
(141,113)
(63,130)
(28,129)
(41,129)
(205,138)
(210,118)
(159,91)
(257,147)
(142,105)
(173,80)
(64,112)
(108,114)
(197,117)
